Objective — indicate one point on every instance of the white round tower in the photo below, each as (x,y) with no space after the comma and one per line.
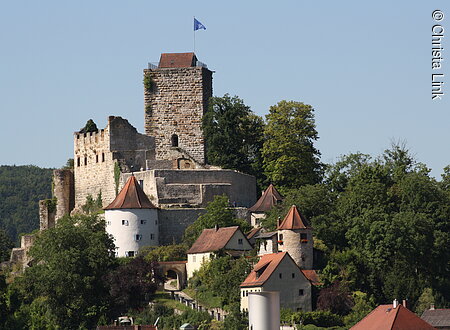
(132,220)
(295,237)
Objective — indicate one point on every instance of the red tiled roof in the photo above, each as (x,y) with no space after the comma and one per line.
(253,232)
(177,60)
(312,276)
(269,198)
(294,220)
(131,197)
(271,262)
(211,240)
(385,317)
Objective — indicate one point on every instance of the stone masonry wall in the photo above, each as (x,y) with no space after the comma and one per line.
(95,154)
(175,106)
(64,192)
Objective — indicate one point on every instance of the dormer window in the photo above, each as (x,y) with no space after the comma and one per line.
(240,241)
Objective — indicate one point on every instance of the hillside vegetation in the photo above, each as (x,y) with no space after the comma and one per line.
(21,188)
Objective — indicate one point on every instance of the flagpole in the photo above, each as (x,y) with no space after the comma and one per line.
(194,35)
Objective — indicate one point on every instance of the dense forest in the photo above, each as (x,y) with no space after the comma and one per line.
(21,188)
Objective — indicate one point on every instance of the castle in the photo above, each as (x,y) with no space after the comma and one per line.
(168,161)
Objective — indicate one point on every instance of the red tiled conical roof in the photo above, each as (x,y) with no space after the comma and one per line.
(131,197)
(294,220)
(269,198)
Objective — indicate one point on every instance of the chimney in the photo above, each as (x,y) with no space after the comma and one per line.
(216,227)
(432,307)
(278,221)
(395,303)
(405,303)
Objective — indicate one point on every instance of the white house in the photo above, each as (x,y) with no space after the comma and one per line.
(230,239)
(279,272)
(132,220)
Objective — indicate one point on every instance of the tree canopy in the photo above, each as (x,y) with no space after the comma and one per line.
(233,135)
(290,159)
(21,188)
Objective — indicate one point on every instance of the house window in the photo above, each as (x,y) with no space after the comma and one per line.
(108,223)
(103,156)
(174,140)
(96,158)
(299,309)
(143,222)
(152,236)
(137,237)
(124,222)
(240,241)
(193,258)
(85,160)
(304,237)
(129,253)
(141,183)
(293,275)
(78,161)
(156,222)
(300,292)
(280,275)
(243,293)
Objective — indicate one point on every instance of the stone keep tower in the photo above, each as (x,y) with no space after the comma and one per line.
(176,94)
(295,237)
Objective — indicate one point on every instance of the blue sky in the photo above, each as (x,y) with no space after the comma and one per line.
(364,66)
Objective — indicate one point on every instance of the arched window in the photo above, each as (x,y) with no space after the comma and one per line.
(174,140)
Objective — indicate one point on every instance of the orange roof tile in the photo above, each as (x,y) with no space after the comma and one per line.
(269,198)
(177,60)
(211,240)
(131,197)
(266,265)
(294,220)
(253,232)
(385,317)
(312,276)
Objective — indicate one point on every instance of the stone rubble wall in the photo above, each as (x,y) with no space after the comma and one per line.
(63,191)
(175,105)
(95,154)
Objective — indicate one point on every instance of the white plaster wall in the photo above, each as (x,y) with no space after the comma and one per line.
(256,217)
(244,297)
(289,286)
(124,235)
(195,261)
(268,246)
(233,243)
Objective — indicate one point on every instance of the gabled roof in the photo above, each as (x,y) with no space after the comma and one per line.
(269,198)
(312,276)
(385,317)
(294,220)
(253,232)
(437,317)
(177,60)
(266,266)
(131,197)
(213,239)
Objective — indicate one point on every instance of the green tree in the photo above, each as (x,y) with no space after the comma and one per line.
(289,156)
(5,246)
(233,135)
(90,126)
(174,252)
(70,264)
(217,213)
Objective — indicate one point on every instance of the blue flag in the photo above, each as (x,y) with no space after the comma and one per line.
(198,25)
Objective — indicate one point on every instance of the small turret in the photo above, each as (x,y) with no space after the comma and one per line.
(295,237)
